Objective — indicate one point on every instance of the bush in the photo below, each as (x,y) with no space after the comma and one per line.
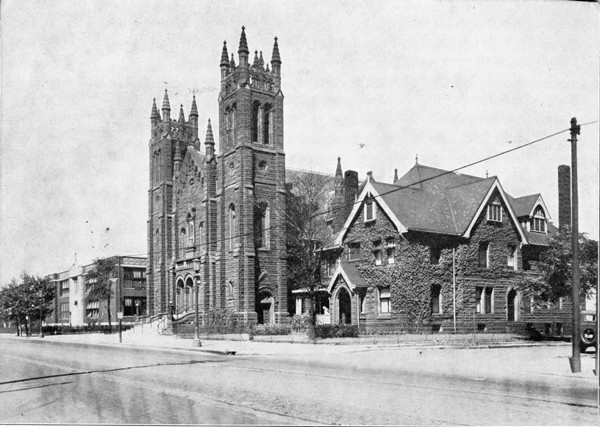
(271,330)
(336,331)
(299,322)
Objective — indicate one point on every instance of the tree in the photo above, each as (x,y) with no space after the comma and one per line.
(556,267)
(30,298)
(100,283)
(307,235)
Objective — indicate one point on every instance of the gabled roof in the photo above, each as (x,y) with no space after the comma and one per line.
(433,200)
(350,274)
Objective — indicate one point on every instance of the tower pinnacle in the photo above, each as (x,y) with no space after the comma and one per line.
(243,43)
(209,141)
(194,110)
(338,170)
(224,56)
(275,58)
(181,115)
(166,107)
(154,114)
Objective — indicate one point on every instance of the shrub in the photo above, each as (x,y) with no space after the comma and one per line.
(271,330)
(299,322)
(336,331)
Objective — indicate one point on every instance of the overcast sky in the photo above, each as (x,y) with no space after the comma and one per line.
(451,82)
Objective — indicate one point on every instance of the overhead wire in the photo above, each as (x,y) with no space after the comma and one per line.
(399,188)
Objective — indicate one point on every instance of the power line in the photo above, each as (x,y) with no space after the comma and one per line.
(332,210)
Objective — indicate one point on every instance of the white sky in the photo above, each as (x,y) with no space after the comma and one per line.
(453,82)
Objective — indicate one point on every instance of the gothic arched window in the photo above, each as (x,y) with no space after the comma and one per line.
(255,125)
(182,242)
(538,222)
(267,125)
(190,230)
(232,227)
(263,226)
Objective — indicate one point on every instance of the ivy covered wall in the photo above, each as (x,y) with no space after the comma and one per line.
(423,261)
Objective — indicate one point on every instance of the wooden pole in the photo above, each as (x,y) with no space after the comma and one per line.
(575,360)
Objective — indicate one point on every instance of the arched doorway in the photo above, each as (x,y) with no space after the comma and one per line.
(512,306)
(179,296)
(189,287)
(344,307)
(265,308)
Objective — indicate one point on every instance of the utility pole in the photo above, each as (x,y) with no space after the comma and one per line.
(575,360)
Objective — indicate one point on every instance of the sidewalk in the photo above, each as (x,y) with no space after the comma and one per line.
(295,344)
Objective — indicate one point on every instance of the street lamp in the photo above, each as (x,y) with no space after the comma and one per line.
(196,263)
(137,308)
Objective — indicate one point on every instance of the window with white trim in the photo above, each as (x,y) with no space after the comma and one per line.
(485,299)
(64,310)
(377,252)
(494,212)
(370,209)
(353,251)
(484,254)
(512,257)
(538,222)
(384,300)
(390,249)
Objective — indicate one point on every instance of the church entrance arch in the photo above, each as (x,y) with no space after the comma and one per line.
(344,306)
(179,296)
(266,307)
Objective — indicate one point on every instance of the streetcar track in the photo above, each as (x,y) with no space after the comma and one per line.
(416,386)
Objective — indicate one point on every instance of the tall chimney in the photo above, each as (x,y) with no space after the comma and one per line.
(564,196)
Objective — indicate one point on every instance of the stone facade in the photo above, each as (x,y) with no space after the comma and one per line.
(216,220)
(413,279)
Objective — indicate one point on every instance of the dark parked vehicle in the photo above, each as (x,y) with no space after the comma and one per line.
(588,328)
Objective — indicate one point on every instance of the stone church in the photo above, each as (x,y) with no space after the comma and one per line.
(215,218)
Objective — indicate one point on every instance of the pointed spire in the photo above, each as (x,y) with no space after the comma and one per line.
(255,63)
(232,62)
(209,143)
(416,159)
(243,43)
(275,58)
(268,71)
(194,110)
(209,135)
(166,105)
(395,175)
(181,115)
(338,170)
(224,56)
(154,114)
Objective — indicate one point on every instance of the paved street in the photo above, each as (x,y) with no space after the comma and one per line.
(49,381)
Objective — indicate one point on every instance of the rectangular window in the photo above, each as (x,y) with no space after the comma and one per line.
(353,251)
(494,212)
(92,309)
(539,225)
(369,210)
(485,299)
(512,256)
(64,310)
(64,288)
(137,274)
(390,250)
(377,252)
(484,250)
(384,300)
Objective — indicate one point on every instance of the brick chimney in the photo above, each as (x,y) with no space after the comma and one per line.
(564,196)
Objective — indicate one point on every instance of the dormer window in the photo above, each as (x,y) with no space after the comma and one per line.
(494,212)
(369,210)
(538,222)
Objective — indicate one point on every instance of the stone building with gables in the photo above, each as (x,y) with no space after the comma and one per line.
(437,250)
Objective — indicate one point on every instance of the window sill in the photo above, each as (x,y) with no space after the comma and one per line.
(384,316)
(437,314)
